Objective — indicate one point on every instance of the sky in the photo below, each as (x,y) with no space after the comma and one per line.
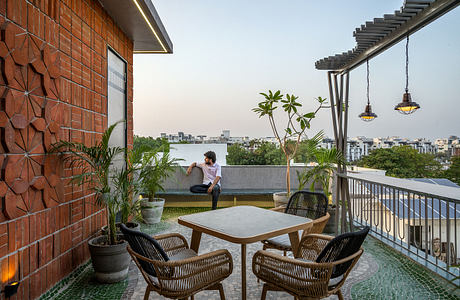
(227,52)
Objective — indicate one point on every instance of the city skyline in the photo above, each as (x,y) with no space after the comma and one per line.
(203,135)
(228,52)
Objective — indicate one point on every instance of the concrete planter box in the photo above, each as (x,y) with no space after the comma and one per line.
(330,226)
(152,210)
(110,262)
(280,199)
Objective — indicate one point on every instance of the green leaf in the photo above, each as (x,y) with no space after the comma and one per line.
(302,124)
(309,115)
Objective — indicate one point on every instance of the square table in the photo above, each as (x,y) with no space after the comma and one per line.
(244,225)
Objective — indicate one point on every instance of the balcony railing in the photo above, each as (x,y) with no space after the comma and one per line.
(416,218)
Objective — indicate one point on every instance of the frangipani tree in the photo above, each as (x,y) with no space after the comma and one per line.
(297,123)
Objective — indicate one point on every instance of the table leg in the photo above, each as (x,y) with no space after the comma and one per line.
(294,238)
(195,242)
(243,271)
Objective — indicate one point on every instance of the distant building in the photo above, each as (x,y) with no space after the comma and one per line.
(449,146)
(190,153)
(226,134)
(179,137)
(360,146)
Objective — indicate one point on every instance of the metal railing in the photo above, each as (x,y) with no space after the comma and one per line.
(416,218)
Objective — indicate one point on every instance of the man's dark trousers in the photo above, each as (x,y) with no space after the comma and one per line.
(203,188)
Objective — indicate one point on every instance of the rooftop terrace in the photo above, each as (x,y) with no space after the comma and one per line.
(382,273)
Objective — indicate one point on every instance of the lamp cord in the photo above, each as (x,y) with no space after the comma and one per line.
(368,102)
(407,63)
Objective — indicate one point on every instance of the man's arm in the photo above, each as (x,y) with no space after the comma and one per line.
(189,170)
(213,184)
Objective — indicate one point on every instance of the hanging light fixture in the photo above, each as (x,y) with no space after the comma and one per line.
(367,115)
(407,106)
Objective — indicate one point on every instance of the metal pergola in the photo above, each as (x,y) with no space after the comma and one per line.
(372,39)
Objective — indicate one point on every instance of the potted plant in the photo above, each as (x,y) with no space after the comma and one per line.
(125,188)
(109,256)
(289,138)
(154,169)
(326,164)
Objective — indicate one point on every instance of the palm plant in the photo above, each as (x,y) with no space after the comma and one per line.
(93,164)
(326,163)
(154,169)
(126,186)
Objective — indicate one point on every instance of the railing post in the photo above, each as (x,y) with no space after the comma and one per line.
(394,215)
(426,228)
(448,260)
(381,209)
(408,221)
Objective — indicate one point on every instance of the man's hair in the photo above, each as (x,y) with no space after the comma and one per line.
(211,155)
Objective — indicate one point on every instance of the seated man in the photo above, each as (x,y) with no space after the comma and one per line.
(211,177)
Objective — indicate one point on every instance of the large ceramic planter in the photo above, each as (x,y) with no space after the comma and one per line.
(152,210)
(131,225)
(110,262)
(280,199)
(330,226)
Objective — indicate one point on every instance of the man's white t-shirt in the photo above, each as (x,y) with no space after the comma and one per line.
(210,172)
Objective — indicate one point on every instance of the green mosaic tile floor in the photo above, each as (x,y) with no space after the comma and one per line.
(397,278)
(81,285)
(400,278)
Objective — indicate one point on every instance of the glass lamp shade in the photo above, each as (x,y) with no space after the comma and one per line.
(407,107)
(367,115)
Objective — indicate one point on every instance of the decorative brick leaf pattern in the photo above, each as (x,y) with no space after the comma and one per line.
(53,64)
(30,119)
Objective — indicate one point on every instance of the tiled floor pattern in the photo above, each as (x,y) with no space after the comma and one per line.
(382,273)
(400,278)
(81,285)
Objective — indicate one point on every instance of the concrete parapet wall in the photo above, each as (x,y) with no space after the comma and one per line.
(237,177)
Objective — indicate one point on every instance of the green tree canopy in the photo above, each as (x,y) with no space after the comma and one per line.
(148,143)
(453,173)
(403,162)
(266,154)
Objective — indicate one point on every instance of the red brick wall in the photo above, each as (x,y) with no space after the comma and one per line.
(53,58)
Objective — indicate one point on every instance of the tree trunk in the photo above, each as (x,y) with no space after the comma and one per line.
(113,228)
(288,176)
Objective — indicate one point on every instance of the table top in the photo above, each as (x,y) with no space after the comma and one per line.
(244,224)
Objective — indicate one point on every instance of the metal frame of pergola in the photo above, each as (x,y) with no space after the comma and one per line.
(372,39)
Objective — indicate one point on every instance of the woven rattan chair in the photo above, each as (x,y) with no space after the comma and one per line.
(307,204)
(173,270)
(322,266)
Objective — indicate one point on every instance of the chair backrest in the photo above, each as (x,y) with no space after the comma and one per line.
(307,204)
(144,245)
(341,247)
